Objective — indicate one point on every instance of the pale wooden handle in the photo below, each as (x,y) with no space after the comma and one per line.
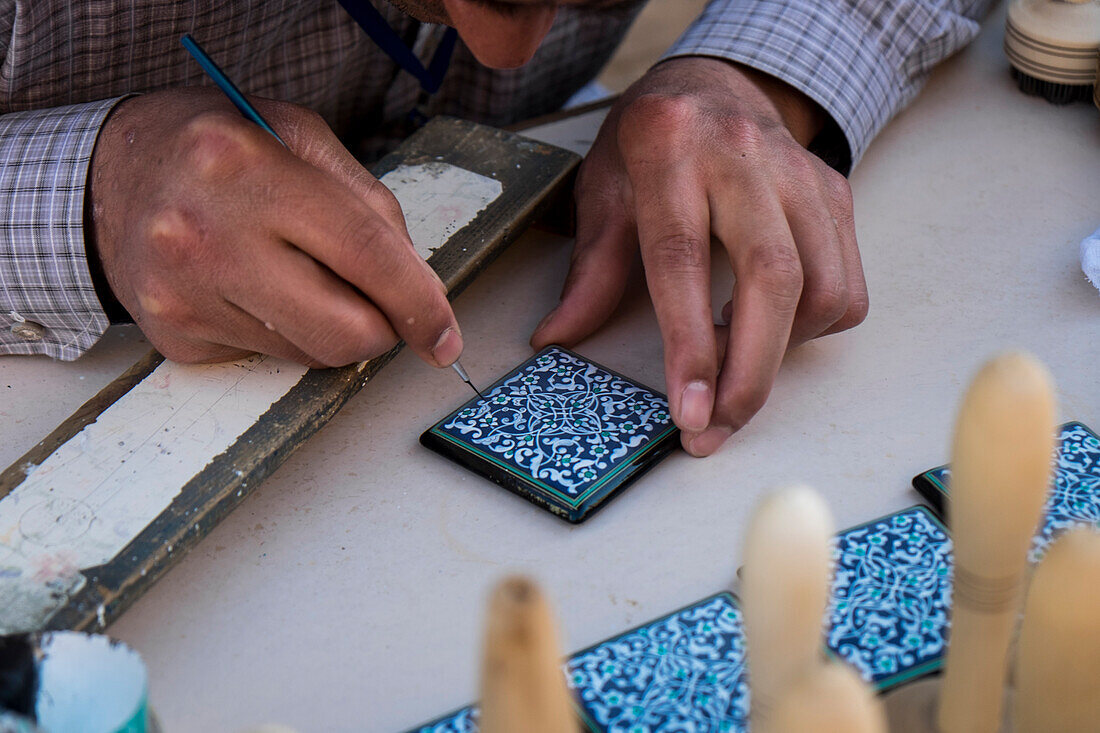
(785,591)
(522,683)
(830,699)
(1000,472)
(1058,659)
(979,644)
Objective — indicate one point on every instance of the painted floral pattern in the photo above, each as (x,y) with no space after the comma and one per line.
(888,615)
(1075,493)
(684,672)
(562,421)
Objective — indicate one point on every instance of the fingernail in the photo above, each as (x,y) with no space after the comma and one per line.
(695,405)
(709,441)
(447,348)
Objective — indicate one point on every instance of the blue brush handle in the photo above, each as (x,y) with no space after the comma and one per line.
(227,86)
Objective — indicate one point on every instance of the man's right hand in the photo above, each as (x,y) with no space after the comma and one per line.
(220,242)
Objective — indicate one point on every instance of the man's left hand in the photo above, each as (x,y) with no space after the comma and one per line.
(701,148)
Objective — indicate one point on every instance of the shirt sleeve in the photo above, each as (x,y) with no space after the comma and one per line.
(861,60)
(48,303)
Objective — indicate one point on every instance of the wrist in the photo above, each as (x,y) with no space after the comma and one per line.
(114,310)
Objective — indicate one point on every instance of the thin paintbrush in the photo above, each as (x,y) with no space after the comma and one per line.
(465,377)
(245,107)
(214,72)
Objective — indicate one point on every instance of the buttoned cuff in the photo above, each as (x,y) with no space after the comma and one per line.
(48,303)
(861,63)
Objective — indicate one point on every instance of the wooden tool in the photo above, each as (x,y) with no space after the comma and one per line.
(522,684)
(785,591)
(1052,46)
(830,699)
(1004,438)
(1058,653)
(146,468)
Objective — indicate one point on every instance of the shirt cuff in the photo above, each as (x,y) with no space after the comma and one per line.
(48,303)
(861,62)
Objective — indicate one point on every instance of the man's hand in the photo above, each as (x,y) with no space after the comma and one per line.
(221,242)
(698,149)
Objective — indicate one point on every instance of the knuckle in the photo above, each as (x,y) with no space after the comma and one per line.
(679,253)
(338,342)
(827,301)
(381,198)
(219,145)
(661,110)
(839,190)
(370,245)
(738,408)
(346,338)
(778,270)
(744,134)
(799,164)
(167,303)
(306,118)
(858,307)
(298,123)
(177,315)
(657,116)
(167,309)
(173,236)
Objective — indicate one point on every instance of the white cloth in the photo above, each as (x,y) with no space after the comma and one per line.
(1090,257)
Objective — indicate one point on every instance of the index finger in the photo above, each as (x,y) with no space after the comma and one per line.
(765,299)
(361,245)
(429,326)
(674,238)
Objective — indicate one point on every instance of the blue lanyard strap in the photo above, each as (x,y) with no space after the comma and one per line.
(371,21)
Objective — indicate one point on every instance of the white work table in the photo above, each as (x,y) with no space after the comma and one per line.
(347,593)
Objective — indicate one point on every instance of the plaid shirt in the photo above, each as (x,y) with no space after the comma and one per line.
(68,62)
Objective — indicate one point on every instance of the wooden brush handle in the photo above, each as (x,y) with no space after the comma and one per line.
(1000,473)
(830,699)
(1058,660)
(522,684)
(785,591)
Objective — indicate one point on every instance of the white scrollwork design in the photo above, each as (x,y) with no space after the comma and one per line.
(685,672)
(562,421)
(891,594)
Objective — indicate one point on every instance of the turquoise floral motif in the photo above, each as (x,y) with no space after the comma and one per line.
(1075,493)
(562,421)
(684,672)
(888,615)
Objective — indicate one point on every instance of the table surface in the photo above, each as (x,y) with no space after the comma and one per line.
(348,592)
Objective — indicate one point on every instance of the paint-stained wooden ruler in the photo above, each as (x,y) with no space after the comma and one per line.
(102,507)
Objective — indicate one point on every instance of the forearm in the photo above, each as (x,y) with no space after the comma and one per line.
(860,61)
(48,303)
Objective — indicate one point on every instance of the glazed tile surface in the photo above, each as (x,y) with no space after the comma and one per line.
(561,421)
(888,615)
(1075,495)
(684,672)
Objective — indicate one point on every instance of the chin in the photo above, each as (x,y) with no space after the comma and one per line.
(502,58)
